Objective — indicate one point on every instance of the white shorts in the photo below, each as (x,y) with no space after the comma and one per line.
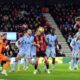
(50,52)
(24,53)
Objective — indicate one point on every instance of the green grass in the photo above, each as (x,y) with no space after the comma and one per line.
(61,72)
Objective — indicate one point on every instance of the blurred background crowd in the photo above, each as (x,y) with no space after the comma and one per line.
(18,17)
(64,15)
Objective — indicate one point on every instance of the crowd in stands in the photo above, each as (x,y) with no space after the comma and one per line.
(64,15)
(20,17)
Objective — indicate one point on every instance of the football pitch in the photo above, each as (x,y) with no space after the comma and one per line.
(61,72)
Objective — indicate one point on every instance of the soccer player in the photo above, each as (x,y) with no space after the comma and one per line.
(52,42)
(5,41)
(2,57)
(24,45)
(40,49)
(74,41)
(75,45)
(32,52)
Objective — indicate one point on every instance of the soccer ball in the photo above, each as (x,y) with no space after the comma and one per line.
(41,29)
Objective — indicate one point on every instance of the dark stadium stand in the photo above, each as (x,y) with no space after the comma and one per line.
(64,15)
(20,17)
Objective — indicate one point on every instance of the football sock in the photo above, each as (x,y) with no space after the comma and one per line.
(47,64)
(53,63)
(19,64)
